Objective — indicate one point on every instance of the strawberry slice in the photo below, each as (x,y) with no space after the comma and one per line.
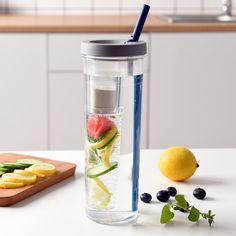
(98,125)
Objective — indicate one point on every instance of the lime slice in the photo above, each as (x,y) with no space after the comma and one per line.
(13,165)
(28,161)
(99,195)
(4,169)
(101,170)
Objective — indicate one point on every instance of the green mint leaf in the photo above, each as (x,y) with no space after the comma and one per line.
(166,214)
(210,221)
(180,201)
(176,208)
(210,218)
(93,157)
(194,214)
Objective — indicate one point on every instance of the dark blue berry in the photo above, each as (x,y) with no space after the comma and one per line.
(199,193)
(146,197)
(172,191)
(163,196)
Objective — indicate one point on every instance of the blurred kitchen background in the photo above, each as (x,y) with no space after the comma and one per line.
(189,90)
(68,7)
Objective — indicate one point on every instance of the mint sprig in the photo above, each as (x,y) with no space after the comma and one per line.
(180,204)
(166,215)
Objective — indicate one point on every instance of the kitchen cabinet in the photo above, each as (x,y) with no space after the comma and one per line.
(23,92)
(192,90)
(188,93)
(66,111)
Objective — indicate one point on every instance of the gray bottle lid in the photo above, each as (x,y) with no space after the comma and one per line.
(113,48)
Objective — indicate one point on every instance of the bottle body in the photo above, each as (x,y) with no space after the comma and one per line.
(112,139)
(111,185)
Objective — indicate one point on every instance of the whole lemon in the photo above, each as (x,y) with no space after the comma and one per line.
(177,163)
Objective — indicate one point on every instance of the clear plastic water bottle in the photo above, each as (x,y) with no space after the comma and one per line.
(113,71)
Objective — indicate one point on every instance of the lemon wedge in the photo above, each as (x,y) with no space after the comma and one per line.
(45,169)
(99,195)
(4,184)
(18,178)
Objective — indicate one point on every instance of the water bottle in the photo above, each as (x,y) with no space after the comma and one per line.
(113,72)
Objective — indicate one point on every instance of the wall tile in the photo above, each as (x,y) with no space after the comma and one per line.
(189,6)
(3,6)
(234,6)
(189,3)
(212,6)
(162,3)
(106,4)
(69,11)
(132,6)
(162,11)
(26,4)
(133,3)
(78,7)
(212,3)
(21,7)
(49,7)
(78,4)
(86,7)
(160,7)
(106,7)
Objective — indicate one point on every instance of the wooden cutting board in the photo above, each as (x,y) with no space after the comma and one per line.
(9,197)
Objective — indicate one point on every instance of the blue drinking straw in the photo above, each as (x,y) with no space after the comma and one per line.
(137,109)
(139,24)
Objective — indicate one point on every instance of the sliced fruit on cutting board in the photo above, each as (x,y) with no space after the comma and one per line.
(35,172)
(4,184)
(18,178)
(28,161)
(46,169)
(24,172)
(13,165)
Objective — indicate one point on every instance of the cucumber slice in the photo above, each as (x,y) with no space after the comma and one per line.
(27,162)
(101,170)
(5,169)
(13,165)
(109,142)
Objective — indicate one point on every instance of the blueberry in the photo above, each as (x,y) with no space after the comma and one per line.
(163,196)
(172,191)
(146,197)
(199,193)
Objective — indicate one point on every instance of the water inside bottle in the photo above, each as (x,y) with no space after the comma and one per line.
(109,154)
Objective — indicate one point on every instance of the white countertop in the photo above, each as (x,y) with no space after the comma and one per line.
(59,210)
